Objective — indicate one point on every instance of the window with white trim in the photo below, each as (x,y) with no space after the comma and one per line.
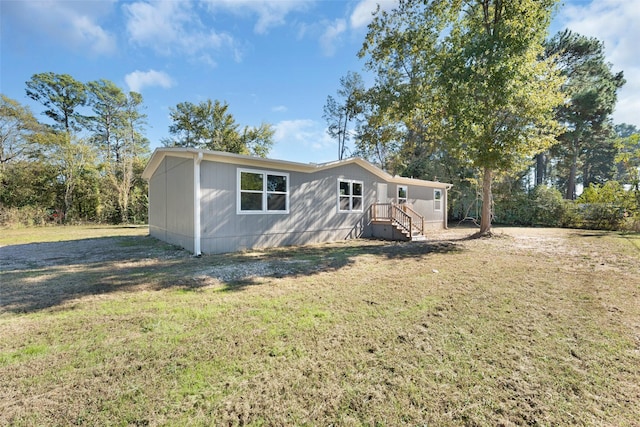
(437,200)
(350,195)
(402,194)
(262,192)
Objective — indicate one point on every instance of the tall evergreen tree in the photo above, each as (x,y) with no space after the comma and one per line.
(62,96)
(117,126)
(591,87)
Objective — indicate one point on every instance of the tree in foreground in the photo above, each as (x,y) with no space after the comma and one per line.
(209,125)
(470,76)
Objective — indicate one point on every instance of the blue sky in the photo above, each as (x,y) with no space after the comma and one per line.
(273,61)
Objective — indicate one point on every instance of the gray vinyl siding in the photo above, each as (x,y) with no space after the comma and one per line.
(313,210)
(422,199)
(171,202)
(313,215)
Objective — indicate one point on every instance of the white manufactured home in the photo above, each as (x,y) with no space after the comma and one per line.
(215,202)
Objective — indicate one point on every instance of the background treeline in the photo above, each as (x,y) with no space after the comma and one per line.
(85,163)
(424,116)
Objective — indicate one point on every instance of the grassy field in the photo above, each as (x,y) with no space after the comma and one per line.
(531,327)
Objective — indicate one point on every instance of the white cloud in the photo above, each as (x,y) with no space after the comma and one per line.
(615,22)
(279,109)
(171,27)
(99,40)
(140,79)
(74,24)
(331,36)
(362,14)
(302,133)
(271,13)
(331,33)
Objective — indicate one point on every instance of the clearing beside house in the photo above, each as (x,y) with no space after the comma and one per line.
(103,326)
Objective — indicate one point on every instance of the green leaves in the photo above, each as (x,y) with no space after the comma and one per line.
(468,79)
(209,125)
(62,95)
(345,110)
(591,89)
(96,171)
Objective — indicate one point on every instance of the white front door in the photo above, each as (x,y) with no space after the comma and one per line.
(381,193)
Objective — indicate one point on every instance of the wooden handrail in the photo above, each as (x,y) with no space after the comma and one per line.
(418,220)
(402,215)
(401,218)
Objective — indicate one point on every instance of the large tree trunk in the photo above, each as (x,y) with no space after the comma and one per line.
(541,168)
(485,222)
(571,182)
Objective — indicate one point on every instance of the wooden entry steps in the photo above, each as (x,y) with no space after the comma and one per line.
(405,220)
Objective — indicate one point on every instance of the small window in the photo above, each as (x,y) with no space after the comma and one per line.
(350,195)
(402,194)
(262,192)
(437,200)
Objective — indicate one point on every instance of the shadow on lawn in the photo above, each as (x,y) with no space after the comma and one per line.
(40,276)
(314,259)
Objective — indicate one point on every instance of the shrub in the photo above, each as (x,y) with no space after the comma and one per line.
(26,216)
(606,206)
(547,206)
(513,210)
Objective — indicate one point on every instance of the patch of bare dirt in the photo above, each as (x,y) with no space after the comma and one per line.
(83,251)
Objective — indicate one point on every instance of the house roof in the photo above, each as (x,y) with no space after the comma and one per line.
(218,156)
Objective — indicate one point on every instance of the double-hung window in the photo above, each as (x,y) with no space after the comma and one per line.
(402,194)
(350,195)
(437,200)
(262,191)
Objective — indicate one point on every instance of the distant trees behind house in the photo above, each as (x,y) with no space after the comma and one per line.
(84,164)
(209,125)
(85,161)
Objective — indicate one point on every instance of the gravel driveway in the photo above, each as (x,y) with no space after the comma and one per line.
(84,251)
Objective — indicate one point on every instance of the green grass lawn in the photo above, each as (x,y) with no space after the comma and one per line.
(531,327)
(15,236)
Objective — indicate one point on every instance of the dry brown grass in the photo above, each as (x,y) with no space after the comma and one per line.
(531,327)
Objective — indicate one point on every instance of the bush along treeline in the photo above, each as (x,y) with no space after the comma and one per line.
(602,207)
(518,122)
(85,163)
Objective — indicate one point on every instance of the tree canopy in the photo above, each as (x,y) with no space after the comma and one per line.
(211,126)
(18,128)
(469,78)
(61,95)
(84,163)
